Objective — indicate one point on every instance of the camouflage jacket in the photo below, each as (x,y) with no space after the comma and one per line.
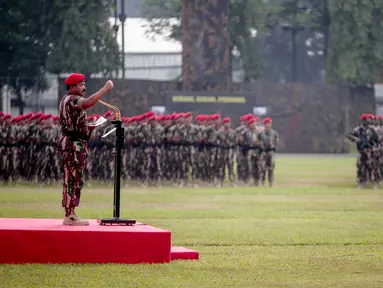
(227,138)
(270,139)
(74,124)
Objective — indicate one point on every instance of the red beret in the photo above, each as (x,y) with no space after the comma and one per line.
(74,79)
(227,119)
(267,120)
(1,113)
(188,114)
(214,117)
(6,116)
(108,113)
(251,120)
(178,116)
(247,116)
(197,118)
(364,117)
(152,118)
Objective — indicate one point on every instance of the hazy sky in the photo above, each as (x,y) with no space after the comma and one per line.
(137,41)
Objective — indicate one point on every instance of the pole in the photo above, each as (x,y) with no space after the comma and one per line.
(117,164)
(294,30)
(123,18)
(294,56)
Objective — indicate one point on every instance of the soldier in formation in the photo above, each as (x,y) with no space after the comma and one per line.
(168,149)
(368,137)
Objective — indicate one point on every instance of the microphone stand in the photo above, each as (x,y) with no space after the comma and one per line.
(116,220)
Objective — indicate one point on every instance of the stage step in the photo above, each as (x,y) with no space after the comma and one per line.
(181,253)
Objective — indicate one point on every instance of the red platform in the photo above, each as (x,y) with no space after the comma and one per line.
(48,241)
(181,253)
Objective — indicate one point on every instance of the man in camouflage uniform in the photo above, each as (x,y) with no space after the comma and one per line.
(48,138)
(254,142)
(379,131)
(270,139)
(73,145)
(200,148)
(188,157)
(210,134)
(7,136)
(367,142)
(243,169)
(227,139)
(153,135)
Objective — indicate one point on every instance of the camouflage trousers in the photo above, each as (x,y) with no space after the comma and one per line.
(243,165)
(7,168)
(73,164)
(128,163)
(167,163)
(187,159)
(153,164)
(199,168)
(225,159)
(257,166)
(269,161)
(367,167)
(49,169)
(212,165)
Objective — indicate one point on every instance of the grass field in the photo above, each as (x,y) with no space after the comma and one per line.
(313,229)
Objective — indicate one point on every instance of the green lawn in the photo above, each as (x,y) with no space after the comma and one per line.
(313,229)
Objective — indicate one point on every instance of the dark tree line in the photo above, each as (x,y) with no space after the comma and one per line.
(43,36)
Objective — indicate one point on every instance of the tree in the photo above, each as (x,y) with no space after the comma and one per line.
(23,45)
(247,23)
(83,38)
(356,54)
(53,36)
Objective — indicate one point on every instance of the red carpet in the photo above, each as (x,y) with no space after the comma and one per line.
(48,241)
